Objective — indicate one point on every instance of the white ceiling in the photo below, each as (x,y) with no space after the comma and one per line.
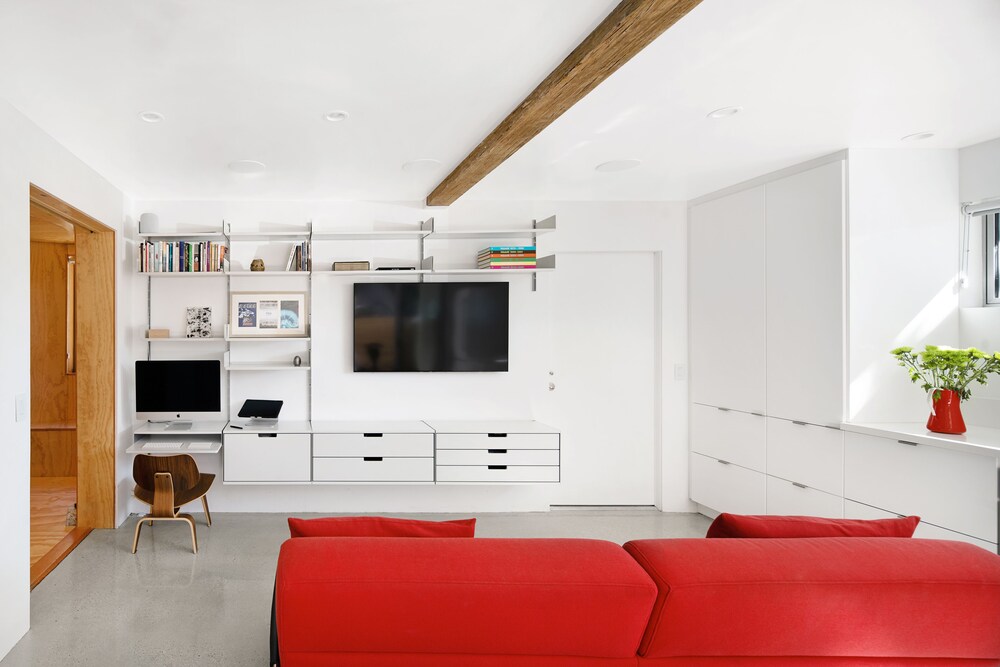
(251,79)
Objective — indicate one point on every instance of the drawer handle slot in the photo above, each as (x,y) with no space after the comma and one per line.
(496,435)
(267,435)
(496,467)
(725,463)
(373,458)
(907,442)
(723,409)
(496,451)
(757,414)
(373,435)
(799,423)
(801,486)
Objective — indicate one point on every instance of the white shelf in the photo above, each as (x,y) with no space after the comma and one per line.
(178,339)
(184,448)
(271,237)
(184,274)
(269,274)
(491,272)
(207,427)
(374,235)
(204,236)
(373,272)
(541,227)
(254,366)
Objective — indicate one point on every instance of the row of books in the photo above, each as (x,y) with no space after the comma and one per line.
(507,257)
(299,258)
(182,257)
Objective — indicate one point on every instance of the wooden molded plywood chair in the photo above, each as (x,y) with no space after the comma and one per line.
(165,483)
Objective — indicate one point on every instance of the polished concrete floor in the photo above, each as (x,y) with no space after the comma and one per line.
(167,606)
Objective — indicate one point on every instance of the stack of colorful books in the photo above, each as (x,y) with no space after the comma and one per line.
(181,257)
(507,257)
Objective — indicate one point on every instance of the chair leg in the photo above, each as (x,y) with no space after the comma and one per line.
(208,515)
(194,535)
(135,540)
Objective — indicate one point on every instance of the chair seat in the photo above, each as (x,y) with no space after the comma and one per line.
(182,497)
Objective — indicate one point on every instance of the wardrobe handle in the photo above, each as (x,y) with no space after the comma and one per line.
(496,451)
(496,467)
(801,486)
(373,435)
(373,458)
(907,442)
(725,463)
(496,435)
(723,409)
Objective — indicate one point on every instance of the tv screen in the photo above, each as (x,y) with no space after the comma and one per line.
(407,327)
(177,387)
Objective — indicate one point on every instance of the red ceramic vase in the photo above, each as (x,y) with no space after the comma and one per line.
(947,414)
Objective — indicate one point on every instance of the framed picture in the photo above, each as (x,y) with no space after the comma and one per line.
(269,314)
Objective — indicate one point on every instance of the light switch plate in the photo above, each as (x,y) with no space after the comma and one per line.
(21,407)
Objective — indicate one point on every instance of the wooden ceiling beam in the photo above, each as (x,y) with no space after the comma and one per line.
(626,31)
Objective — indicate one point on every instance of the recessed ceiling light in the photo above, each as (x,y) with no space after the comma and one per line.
(918,136)
(725,112)
(421,164)
(336,116)
(618,165)
(247,166)
(151,116)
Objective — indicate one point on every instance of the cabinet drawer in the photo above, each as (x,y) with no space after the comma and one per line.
(950,489)
(358,469)
(500,474)
(785,498)
(810,455)
(516,457)
(726,487)
(497,440)
(728,435)
(373,444)
(853,510)
(251,457)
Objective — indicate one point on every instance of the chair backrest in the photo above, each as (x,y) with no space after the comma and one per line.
(182,468)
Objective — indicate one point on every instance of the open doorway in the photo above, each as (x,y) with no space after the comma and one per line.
(72,379)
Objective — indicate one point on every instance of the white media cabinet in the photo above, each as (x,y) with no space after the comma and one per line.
(369,452)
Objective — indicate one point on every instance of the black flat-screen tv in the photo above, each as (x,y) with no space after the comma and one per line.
(444,327)
(178,389)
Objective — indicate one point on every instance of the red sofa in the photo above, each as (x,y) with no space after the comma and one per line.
(385,601)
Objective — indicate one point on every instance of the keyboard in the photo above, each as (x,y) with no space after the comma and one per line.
(164,444)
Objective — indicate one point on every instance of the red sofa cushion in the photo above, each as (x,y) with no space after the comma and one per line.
(379,526)
(743,525)
(396,597)
(837,597)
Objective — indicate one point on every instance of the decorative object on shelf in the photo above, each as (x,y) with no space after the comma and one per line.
(257,264)
(946,374)
(149,223)
(199,322)
(297,361)
(352,266)
(268,314)
(396,268)
(157,333)
(507,257)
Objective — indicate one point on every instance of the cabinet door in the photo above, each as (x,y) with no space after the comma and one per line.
(793,499)
(727,487)
(805,295)
(726,273)
(949,489)
(267,457)
(728,435)
(807,454)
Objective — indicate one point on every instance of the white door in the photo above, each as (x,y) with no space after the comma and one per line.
(604,373)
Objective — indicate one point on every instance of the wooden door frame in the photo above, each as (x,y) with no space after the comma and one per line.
(96,361)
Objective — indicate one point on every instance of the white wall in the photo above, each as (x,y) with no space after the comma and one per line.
(903,270)
(980,325)
(31,156)
(338,393)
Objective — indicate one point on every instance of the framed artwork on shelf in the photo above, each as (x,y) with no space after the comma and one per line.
(268,314)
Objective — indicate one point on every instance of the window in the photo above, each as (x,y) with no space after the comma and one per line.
(992,257)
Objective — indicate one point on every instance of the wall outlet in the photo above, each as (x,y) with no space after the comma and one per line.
(21,407)
(680,372)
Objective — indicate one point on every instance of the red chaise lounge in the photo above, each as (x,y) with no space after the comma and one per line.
(828,602)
